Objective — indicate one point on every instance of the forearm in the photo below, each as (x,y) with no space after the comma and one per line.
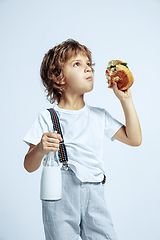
(133,129)
(33,159)
(49,142)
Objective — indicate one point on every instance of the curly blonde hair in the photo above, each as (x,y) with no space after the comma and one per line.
(51,70)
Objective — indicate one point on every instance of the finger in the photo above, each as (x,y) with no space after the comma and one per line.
(115,88)
(48,140)
(114,85)
(59,137)
(52,149)
(128,90)
(53,145)
(52,140)
(51,135)
(55,135)
(47,147)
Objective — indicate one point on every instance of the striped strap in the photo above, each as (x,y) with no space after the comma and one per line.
(62,153)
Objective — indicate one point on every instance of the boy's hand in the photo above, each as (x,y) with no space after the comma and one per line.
(121,95)
(49,142)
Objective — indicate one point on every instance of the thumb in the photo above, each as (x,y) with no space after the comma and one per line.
(114,86)
(59,137)
(116,91)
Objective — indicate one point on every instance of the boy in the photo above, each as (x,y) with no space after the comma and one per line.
(67,74)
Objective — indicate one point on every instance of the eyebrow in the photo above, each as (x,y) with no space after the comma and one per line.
(78,60)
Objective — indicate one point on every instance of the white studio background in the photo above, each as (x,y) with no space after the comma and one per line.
(125,30)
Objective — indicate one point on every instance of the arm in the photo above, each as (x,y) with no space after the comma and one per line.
(131,133)
(49,142)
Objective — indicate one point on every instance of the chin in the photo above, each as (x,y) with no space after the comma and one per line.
(90,89)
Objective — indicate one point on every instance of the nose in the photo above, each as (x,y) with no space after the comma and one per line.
(88,68)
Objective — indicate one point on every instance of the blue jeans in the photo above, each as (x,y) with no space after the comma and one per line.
(81,212)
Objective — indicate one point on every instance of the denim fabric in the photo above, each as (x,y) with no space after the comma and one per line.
(81,212)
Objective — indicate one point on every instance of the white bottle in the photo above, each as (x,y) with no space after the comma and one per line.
(51,182)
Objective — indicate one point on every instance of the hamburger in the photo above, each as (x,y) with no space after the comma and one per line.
(118,71)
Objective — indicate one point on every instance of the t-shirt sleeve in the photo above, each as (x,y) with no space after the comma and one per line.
(111,126)
(39,126)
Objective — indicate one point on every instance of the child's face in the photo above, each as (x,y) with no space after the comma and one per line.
(78,74)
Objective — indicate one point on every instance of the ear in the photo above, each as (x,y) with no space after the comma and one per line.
(63,82)
(59,82)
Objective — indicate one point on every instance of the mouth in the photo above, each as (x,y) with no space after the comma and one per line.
(89,78)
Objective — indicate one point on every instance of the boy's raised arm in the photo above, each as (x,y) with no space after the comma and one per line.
(131,133)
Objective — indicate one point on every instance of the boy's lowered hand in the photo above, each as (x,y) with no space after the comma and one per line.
(49,142)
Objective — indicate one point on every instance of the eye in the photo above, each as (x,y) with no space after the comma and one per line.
(76,64)
(89,64)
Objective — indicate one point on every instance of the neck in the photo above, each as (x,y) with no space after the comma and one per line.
(71,103)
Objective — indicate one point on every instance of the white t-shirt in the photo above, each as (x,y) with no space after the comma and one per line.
(83,131)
